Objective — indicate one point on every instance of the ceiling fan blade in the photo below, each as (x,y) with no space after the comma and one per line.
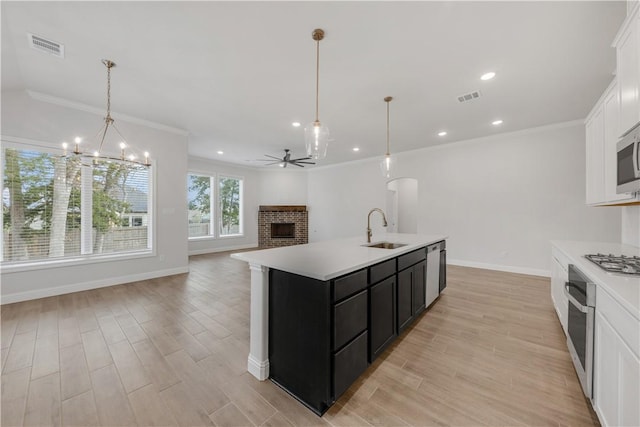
(273,163)
(272,157)
(307,163)
(301,158)
(296,164)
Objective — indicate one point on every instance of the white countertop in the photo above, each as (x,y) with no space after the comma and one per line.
(329,259)
(625,289)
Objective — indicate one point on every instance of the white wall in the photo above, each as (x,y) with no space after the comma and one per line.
(631,225)
(282,187)
(501,199)
(24,117)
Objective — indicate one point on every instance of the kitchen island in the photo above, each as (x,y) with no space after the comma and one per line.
(327,309)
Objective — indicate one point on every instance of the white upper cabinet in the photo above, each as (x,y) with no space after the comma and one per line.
(627,44)
(595,156)
(602,134)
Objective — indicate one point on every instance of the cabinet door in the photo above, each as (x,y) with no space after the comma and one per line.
(595,157)
(405,307)
(628,71)
(611,111)
(559,277)
(616,373)
(382,309)
(419,286)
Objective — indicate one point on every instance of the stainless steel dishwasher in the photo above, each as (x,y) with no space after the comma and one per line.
(433,272)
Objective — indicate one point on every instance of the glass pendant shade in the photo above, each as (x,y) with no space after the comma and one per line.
(316,137)
(387,166)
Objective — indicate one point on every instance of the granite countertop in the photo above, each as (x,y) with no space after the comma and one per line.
(624,288)
(329,259)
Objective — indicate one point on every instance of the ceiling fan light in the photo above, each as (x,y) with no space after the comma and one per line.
(316,138)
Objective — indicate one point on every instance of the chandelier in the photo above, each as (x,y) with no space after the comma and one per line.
(100,149)
(316,135)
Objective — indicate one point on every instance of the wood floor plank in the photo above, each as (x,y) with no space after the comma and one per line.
(96,350)
(111,330)
(80,411)
(131,371)
(43,402)
(158,370)
(15,386)
(111,400)
(69,332)
(185,411)
(21,351)
(45,359)
(149,408)
(74,373)
(230,416)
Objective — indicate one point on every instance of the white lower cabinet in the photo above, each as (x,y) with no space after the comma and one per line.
(616,364)
(559,276)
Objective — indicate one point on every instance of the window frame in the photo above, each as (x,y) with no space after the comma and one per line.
(215,205)
(83,258)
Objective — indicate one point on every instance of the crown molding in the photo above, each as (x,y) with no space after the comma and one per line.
(99,111)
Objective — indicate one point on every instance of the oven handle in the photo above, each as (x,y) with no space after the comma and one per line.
(572,300)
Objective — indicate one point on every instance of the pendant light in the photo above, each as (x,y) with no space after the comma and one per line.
(388,162)
(99,151)
(316,135)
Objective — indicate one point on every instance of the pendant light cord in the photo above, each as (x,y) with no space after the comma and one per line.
(388,127)
(317,77)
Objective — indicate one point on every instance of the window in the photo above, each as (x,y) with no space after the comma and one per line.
(230,197)
(209,194)
(57,207)
(199,201)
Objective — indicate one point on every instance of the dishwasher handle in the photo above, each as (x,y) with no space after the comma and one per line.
(573,301)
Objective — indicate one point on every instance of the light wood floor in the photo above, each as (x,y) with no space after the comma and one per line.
(173,351)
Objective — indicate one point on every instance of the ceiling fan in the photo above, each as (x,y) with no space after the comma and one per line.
(286,160)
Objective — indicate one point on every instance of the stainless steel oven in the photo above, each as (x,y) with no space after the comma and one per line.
(580,326)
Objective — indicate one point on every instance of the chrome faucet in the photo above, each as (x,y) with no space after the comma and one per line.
(384,222)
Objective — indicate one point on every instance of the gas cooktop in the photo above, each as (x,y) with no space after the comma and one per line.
(617,263)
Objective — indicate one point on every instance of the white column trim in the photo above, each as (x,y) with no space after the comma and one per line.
(258,361)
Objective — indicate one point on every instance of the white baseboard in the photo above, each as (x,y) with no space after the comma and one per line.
(498,267)
(223,249)
(85,286)
(257,368)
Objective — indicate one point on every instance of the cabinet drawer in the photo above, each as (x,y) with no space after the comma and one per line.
(350,284)
(349,363)
(621,320)
(350,319)
(381,271)
(407,260)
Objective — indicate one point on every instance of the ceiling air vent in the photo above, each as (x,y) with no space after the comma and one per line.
(44,45)
(469,96)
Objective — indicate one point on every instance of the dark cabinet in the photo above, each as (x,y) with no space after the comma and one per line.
(382,319)
(324,334)
(405,307)
(443,269)
(411,293)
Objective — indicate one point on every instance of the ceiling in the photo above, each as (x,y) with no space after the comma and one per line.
(235,75)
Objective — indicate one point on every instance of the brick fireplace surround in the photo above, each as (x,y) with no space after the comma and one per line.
(296,214)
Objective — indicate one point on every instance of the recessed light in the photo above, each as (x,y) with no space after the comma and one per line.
(295,124)
(221,152)
(443,133)
(488,76)
(496,122)
(356,149)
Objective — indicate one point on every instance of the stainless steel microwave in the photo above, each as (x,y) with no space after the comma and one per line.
(628,149)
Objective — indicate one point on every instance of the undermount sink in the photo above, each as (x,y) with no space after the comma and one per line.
(385,245)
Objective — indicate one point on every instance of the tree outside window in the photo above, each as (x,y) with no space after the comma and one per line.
(230,206)
(199,203)
(55,207)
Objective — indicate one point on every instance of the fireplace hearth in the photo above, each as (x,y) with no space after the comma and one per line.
(282,225)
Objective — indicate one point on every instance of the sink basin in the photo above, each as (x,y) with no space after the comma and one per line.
(385,245)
